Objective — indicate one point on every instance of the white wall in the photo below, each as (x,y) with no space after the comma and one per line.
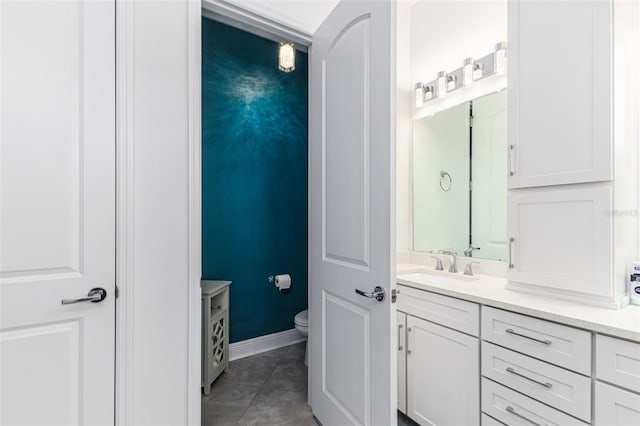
(444,33)
(404,111)
(156,287)
(626,138)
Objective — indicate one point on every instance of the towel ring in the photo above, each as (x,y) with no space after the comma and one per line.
(445,181)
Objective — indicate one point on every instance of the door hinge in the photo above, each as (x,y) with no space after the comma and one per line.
(116,291)
(394,295)
(471,121)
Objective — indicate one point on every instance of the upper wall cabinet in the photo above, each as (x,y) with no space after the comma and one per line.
(560,92)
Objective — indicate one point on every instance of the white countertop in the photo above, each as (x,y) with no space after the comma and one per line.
(491,291)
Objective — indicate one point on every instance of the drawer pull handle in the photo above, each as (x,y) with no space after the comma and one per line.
(515,373)
(512,411)
(544,342)
(399,337)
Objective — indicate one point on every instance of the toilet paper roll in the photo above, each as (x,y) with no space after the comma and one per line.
(283,281)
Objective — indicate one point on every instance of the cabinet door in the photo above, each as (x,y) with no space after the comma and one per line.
(560,107)
(616,407)
(402,362)
(562,241)
(443,378)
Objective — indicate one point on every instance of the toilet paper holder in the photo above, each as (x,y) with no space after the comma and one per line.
(284,285)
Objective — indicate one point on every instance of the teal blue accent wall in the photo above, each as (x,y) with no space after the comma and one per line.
(254,177)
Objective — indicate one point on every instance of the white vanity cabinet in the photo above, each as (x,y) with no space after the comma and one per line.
(442,375)
(442,364)
(509,368)
(561,240)
(563,233)
(616,407)
(402,361)
(560,92)
(617,363)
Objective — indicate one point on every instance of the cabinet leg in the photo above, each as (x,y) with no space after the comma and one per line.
(207,389)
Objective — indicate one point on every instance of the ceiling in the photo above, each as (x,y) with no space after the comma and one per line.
(302,15)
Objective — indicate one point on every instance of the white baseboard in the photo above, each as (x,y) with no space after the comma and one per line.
(266,343)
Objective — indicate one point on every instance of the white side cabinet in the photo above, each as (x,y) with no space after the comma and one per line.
(402,362)
(442,375)
(560,92)
(215,331)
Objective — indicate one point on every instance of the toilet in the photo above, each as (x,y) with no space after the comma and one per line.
(301,321)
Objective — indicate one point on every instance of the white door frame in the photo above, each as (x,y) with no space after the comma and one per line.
(125,306)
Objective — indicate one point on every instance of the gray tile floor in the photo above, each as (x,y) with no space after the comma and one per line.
(405,421)
(265,389)
(268,389)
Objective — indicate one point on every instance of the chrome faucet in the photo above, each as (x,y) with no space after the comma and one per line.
(438,263)
(454,261)
(468,268)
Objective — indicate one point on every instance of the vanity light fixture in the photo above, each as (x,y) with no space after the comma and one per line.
(419,95)
(467,71)
(451,82)
(286,57)
(478,70)
(472,69)
(441,83)
(500,57)
(428,92)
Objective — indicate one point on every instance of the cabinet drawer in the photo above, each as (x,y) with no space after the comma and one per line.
(490,421)
(618,362)
(558,344)
(453,313)
(562,389)
(513,408)
(616,407)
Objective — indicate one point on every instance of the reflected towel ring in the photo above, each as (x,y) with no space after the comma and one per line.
(445,181)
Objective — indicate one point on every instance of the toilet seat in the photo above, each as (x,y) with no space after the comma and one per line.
(302,318)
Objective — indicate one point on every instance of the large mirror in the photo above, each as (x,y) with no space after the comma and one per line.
(460,179)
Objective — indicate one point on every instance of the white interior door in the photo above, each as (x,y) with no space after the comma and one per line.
(57,227)
(352,223)
(489,177)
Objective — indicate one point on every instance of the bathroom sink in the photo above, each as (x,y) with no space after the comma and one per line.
(438,278)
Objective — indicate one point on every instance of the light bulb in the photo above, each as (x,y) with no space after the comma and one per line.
(428,93)
(442,83)
(419,95)
(451,82)
(478,70)
(467,71)
(500,57)
(286,57)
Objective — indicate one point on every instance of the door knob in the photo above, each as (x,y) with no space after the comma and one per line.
(95,295)
(378,293)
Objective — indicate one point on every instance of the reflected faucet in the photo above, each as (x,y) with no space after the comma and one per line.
(469,252)
(454,261)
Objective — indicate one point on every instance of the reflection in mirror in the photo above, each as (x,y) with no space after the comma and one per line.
(460,179)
